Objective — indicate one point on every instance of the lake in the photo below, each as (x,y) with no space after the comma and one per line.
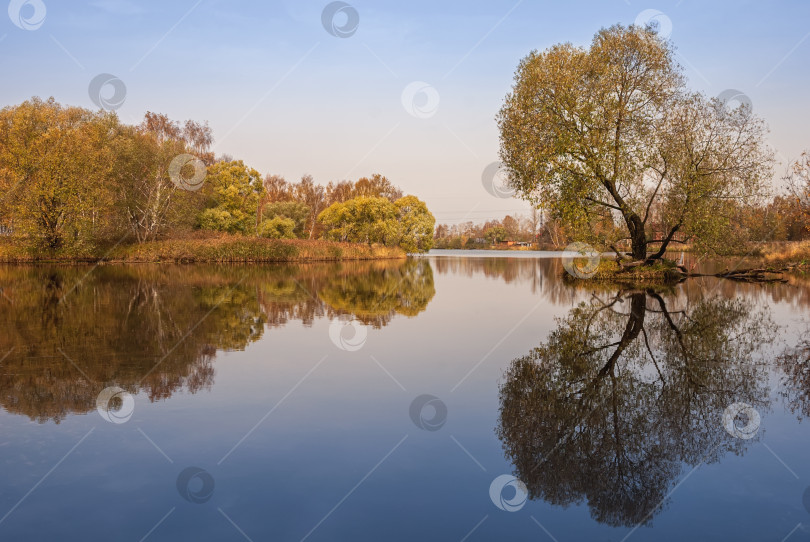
(456,396)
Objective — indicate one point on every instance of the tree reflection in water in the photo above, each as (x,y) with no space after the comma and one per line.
(795,366)
(66,334)
(623,393)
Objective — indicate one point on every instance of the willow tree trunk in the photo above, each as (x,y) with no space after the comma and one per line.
(638,237)
(638,242)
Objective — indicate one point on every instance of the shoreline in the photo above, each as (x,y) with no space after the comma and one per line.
(221,249)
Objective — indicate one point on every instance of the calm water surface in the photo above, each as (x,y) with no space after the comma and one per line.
(460,396)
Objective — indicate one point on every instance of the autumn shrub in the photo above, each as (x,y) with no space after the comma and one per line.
(278,227)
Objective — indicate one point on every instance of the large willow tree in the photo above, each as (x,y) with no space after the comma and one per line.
(611,134)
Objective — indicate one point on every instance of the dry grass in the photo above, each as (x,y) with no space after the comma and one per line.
(659,274)
(796,253)
(206,249)
(663,271)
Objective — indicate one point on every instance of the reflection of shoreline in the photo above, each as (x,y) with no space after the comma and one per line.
(624,392)
(372,292)
(489,253)
(543,275)
(67,334)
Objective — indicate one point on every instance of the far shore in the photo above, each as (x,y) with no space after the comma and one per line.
(775,252)
(763,262)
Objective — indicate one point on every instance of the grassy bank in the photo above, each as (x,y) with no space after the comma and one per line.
(791,254)
(772,264)
(221,248)
(663,272)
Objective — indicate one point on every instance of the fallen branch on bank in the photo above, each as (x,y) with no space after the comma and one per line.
(748,275)
(741,275)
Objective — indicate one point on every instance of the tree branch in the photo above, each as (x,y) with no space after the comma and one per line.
(603,203)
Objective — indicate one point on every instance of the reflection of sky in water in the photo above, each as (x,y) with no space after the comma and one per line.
(322,420)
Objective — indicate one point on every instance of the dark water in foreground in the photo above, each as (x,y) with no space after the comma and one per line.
(443,398)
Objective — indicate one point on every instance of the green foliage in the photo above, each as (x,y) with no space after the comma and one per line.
(218,220)
(233,191)
(496,234)
(76,183)
(416,225)
(296,211)
(361,220)
(611,133)
(278,227)
(406,223)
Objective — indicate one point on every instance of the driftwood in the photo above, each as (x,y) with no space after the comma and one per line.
(748,275)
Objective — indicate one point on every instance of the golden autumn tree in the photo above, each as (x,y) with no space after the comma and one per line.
(798,179)
(53,163)
(149,201)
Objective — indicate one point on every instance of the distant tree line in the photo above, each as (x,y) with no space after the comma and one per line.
(369,210)
(529,229)
(71,178)
(785,217)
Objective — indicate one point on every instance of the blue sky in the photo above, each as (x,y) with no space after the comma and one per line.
(283,94)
